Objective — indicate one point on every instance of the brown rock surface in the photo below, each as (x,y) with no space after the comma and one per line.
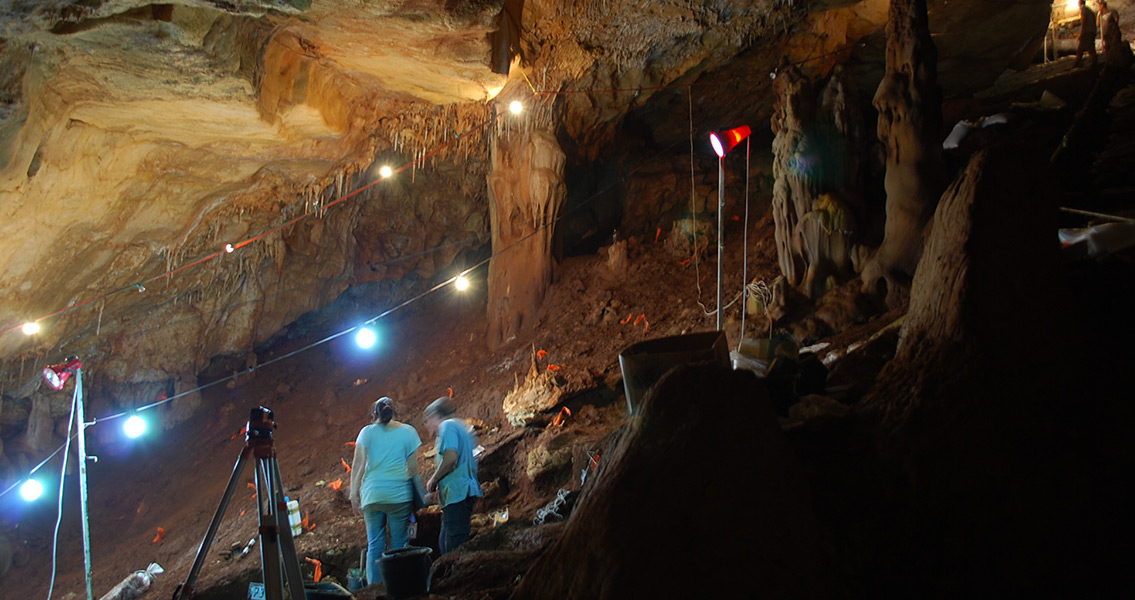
(658,522)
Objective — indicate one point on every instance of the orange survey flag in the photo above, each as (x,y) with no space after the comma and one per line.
(318,568)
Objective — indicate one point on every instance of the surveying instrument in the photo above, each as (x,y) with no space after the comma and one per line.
(275,532)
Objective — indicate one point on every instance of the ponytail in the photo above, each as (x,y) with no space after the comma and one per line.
(383,410)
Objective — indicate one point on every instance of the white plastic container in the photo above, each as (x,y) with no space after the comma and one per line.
(294,517)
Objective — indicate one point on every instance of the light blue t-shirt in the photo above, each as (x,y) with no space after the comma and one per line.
(385,479)
(461,482)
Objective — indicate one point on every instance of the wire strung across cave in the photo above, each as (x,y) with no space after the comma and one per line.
(457,137)
(229,248)
(339,334)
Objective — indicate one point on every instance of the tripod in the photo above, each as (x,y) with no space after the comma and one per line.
(275,531)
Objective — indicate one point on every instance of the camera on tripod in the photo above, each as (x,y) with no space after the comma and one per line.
(261,422)
(278,559)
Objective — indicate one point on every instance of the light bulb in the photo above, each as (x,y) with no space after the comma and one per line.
(515,107)
(134,426)
(365,338)
(461,283)
(31,490)
(31,328)
(385,171)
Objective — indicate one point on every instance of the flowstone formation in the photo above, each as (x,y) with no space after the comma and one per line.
(817,200)
(526,193)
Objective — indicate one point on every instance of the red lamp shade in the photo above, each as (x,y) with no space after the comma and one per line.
(724,141)
(57,375)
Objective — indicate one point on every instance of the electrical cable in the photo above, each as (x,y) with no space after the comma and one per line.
(400,169)
(745,247)
(412,164)
(62,476)
(331,337)
(693,205)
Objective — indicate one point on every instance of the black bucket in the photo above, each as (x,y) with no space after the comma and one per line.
(405,571)
(325,590)
(644,363)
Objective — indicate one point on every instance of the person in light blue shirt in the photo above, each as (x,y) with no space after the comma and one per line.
(455,478)
(386,461)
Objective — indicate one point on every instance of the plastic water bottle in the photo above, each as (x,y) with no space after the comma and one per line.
(294,516)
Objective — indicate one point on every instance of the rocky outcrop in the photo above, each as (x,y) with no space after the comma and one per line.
(988,256)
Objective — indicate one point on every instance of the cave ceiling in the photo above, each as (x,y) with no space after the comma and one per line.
(138,139)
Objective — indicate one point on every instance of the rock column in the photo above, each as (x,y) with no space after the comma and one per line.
(526,193)
(910,125)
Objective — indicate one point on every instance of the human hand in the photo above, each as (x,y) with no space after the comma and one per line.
(431,485)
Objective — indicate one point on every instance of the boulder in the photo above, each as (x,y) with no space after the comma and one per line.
(701,498)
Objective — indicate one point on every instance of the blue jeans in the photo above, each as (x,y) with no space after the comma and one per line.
(376,517)
(455,524)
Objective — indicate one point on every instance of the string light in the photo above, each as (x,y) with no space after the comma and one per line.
(461,283)
(30,328)
(515,107)
(31,490)
(519,107)
(134,426)
(334,336)
(365,338)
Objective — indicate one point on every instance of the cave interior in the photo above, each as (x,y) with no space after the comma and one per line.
(905,282)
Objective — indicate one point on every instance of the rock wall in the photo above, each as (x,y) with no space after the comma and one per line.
(136,145)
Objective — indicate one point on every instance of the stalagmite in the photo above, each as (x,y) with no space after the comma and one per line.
(526,193)
(817,161)
(910,122)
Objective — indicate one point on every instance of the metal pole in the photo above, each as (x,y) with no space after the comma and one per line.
(720,236)
(83,481)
